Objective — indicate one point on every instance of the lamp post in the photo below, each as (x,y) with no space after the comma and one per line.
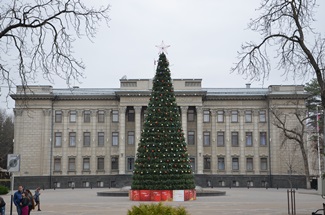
(318,146)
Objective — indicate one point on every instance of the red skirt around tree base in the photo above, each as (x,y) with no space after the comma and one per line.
(162,195)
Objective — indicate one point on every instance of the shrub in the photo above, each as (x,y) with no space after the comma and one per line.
(157,209)
(3,190)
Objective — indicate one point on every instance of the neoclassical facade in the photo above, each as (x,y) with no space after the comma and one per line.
(86,137)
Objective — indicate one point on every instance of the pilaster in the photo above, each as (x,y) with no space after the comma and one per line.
(137,120)
(184,121)
(122,140)
(214,142)
(199,169)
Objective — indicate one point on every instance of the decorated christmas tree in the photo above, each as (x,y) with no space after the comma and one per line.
(162,161)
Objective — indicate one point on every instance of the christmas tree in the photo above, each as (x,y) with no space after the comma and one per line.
(162,160)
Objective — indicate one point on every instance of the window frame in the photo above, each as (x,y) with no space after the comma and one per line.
(100,138)
(100,163)
(131,137)
(191,138)
(101,116)
(249,139)
(263,136)
(206,138)
(235,163)
(234,116)
(264,162)
(71,114)
(58,136)
(71,164)
(235,138)
(221,164)
(87,116)
(57,164)
(115,116)
(86,139)
(219,142)
(72,139)
(190,115)
(130,163)
(249,164)
(114,163)
(206,116)
(220,116)
(248,116)
(115,138)
(86,164)
(207,163)
(262,116)
(58,116)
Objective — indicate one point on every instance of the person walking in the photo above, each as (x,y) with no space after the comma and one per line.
(17,198)
(37,198)
(24,203)
(2,206)
(31,204)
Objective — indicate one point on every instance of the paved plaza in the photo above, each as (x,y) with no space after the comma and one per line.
(236,201)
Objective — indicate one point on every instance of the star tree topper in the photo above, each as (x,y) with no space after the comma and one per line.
(163,48)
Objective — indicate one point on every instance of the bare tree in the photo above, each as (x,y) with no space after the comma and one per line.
(36,38)
(293,127)
(6,137)
(284,25)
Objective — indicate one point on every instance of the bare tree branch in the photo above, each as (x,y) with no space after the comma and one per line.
(36,38)
(284,25)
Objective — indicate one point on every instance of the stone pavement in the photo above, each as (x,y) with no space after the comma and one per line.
(236,201)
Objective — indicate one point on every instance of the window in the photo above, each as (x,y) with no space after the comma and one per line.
(58,116)
(249,164)
(207,163)
(190,115)
(131,115)
(249,139)
(248,116)
(192,162)
(220,116)
(234,139)
(101,138)
(114,163)
(262,116)
(235,164)
(191,138)
(86,164)
(101,116)
(73,116)
(72,164)
(58,139)
(220,138)
(86,138)
(234,116)
(72,139)
(115,116)
(206,138)
(57,164)
(263,138)
(115,138)
(263,164)
(206,116)
(131,138)
(100,164)
(221,163)
(87,116)
(130,164)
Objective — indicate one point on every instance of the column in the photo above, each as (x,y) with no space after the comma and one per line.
(184,121)
(121,162)
(108,144)
(199,121)
(137,132)
(242,142)
(256,143)
(46,147)
(228,158)
(214,159)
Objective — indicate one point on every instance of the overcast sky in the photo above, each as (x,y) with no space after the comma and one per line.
(204,37)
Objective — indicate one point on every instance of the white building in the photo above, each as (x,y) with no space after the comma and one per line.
(88,136)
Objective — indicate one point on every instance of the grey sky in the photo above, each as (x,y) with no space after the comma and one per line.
(204,36)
